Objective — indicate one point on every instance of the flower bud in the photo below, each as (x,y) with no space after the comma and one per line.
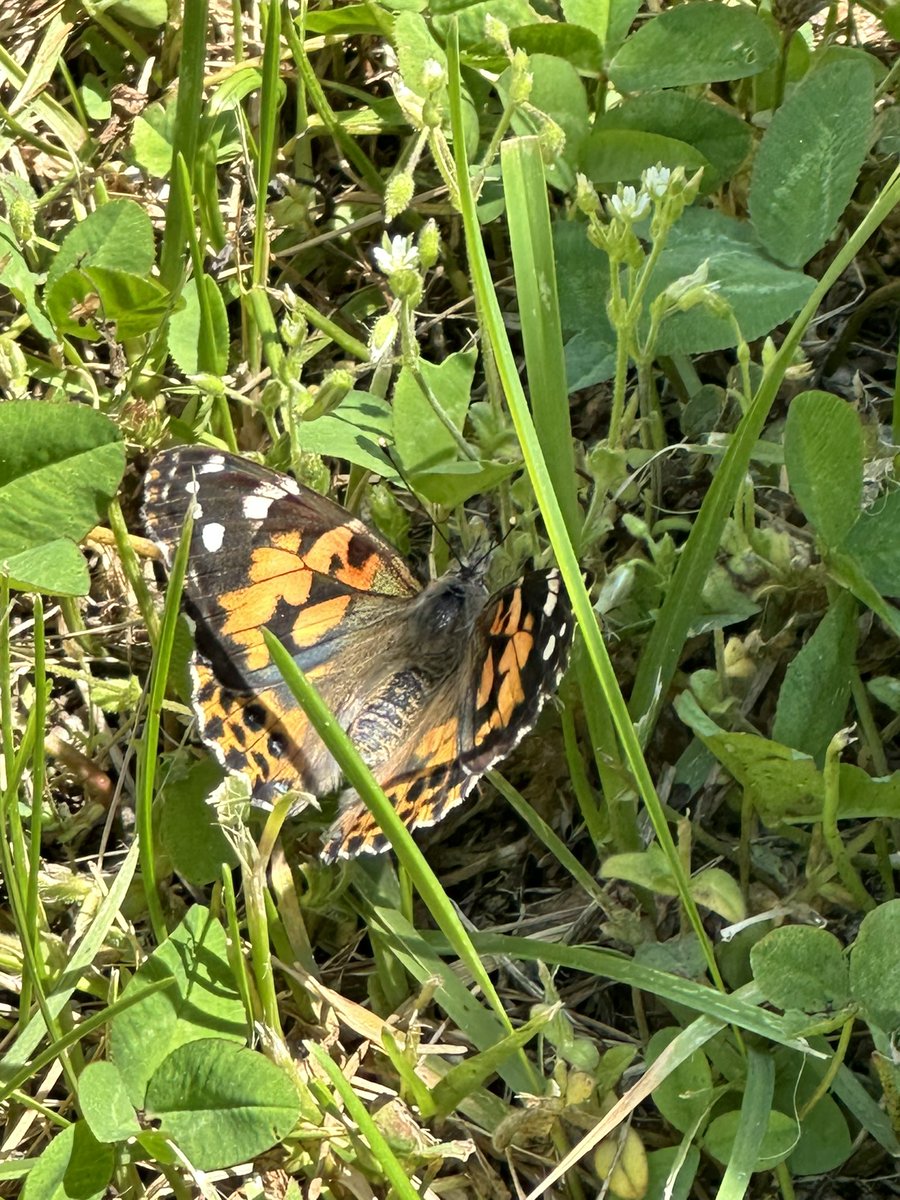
(13,368)
(21,219)
(429,244)
(586,198)
(311,470)
(398,195)
(496,31)
(382,338)
(521,79)
(330,394)
(551,139)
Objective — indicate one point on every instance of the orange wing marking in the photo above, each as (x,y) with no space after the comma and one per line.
(487,682)
(314,622)
(330,556)
(276,574)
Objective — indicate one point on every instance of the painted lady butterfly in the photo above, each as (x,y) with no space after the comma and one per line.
(434,684)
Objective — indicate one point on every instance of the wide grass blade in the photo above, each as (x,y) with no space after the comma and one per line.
(184,142)
(531,240)
(148,748)
(755,1109)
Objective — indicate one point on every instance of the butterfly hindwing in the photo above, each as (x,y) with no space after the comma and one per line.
(257,734)
(525,634)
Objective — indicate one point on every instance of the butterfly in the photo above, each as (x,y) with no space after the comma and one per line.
(434,684)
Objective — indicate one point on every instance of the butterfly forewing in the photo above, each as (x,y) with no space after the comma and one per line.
(267,552)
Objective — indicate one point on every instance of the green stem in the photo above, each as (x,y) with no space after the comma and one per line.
(867,723)
(438,409)
(830,832)
(614,437)
(330,122)
(831,1073)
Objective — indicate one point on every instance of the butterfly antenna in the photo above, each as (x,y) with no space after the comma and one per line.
(395,463)
(494,545)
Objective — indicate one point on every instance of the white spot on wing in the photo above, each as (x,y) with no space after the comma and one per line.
(212,466)
(549,648)
(550,603)
(256,505)
(197,512)
(212,535)
(192,487)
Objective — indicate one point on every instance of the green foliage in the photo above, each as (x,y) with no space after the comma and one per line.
(696,43)
(220,1103)
(874,970)
(801,967)
(809,160)
(60,465)
(75,1166)
(643,219)
(178,1057)
(823,453)
(189,828)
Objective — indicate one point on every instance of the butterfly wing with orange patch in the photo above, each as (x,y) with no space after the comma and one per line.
(517,655)
(266,551)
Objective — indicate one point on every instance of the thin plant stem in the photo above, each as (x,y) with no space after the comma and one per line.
(830,832)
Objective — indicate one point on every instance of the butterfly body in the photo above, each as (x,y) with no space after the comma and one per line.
(433,684)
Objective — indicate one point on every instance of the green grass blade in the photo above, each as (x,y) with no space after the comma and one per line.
(422,960)
(734,1009)
(534,264)
(149,743)
(34,914)
(269,104)
(408,853)
(680,1048)
(755,1108)
(544,833)
(71,1037)
(184,142)
(82,958)
(378,1144)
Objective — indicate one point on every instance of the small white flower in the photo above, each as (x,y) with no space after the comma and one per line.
(627,205)
(395,254)
(656,181)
